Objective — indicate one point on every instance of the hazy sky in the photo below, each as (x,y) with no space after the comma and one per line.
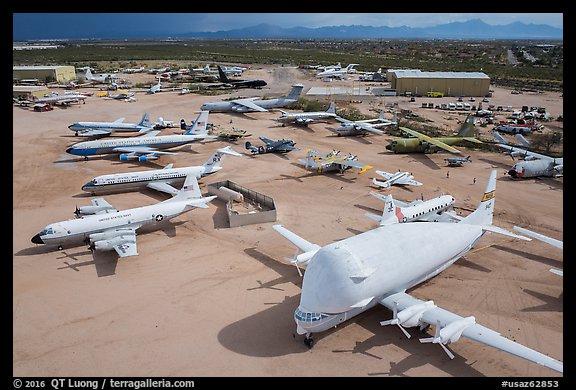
(58,25)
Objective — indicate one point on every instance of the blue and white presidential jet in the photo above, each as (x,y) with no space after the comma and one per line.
(145,147)
(350,276)
(109,229)
(162,180)
(102,129)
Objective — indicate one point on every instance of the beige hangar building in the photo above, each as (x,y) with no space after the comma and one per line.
(417,82)
(61,74)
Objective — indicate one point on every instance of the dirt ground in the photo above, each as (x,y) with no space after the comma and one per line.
(202,299)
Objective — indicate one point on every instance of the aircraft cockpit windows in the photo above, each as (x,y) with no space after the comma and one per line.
(308,316)
(47,231)
(94,181)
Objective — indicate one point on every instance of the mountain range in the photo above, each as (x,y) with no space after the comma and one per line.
(472,29)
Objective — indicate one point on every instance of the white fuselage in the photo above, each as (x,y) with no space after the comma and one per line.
(304,117)
(111,126)
(424,209)
(231,106)
(538,167)
(90,148)
(348,277)
(77,230)
(138,180)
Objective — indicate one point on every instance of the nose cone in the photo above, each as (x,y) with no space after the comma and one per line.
(88,187)
(73,126)
(389,147)
(37,240)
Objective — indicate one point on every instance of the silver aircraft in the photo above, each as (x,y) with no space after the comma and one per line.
(254,104)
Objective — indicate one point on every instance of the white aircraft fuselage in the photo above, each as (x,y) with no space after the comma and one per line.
(230,106)
(535,168)
(130,181)
(304,118)
(78,230)
(112,126)
(347,277)
(108,146)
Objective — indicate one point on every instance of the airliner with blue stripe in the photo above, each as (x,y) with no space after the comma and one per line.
(145,147)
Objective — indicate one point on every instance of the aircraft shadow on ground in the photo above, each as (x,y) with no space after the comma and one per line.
(463,262)
(550,303)
(271,332)
(104,262)
(220,216)
(361,139)
(369,209)
(419,354)
(531,256)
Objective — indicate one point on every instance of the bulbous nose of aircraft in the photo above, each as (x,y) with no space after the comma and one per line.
(37,240)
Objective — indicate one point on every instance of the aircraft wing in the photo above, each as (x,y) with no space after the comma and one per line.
(385,175)
(437,316)
(94,133)
(249,104)
(367,127)
(148,133)
(119,120)
(163,187)
(405,182)
(430,140)
(354,164)
(285,148)
(107,207)
(295,239)
(525,152)
(140,150)
(266,140)
(128,248)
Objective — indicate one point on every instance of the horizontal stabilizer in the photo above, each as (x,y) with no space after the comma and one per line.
(499,230)
(298,241)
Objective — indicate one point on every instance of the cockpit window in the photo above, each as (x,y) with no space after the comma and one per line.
(94,181)
(308,316)
(47,231)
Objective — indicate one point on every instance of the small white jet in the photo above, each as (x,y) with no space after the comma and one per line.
(135,70)
(534,164)
(337,73)
(163,124)
(109,229)
(162,180)
(363,127)
(145,147)
(350,276)
(398,178)
(305,118)
(155,88)
(102,129)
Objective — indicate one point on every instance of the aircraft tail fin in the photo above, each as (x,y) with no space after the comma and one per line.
(467,129)
(89,75)
(332,108)
(145,121)
(200,124)
(391,213)
(223,77)
(295,92)
(213,163)
(484,213)
(190,192)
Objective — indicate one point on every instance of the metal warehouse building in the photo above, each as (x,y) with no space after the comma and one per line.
(61,74)
(449,83)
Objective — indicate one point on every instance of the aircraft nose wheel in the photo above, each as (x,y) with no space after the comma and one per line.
(309,341)
(60,247)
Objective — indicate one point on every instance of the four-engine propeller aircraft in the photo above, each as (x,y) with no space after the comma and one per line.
(102,129)
(431,210)
(109,229)
(238,83)
(332,161)
(350,276)
(253,104)
(398,178)
(279,146)
(145,147)
(363,127)
(63,100)
(162,180)
(305,118)
(230,134)
(425,144)
(534,164)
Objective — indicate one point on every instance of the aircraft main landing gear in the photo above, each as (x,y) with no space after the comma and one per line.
(60,247)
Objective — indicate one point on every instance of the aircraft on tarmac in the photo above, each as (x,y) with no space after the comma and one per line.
(155,88)
(350,276)
(332,161)
(457,161)
(522,141)
(145,147)
(162,180)
(534,164)
(101,129)
(64,100)
(237,83)
(279,146)
(119,95)
(234,71)
(431,210)
(398,178)
(159,70)
(232,134)
(135,70)
(363,127)
(424,144)
(102,79)
(305,118)
(338,73)
(252,104)
(110,229)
